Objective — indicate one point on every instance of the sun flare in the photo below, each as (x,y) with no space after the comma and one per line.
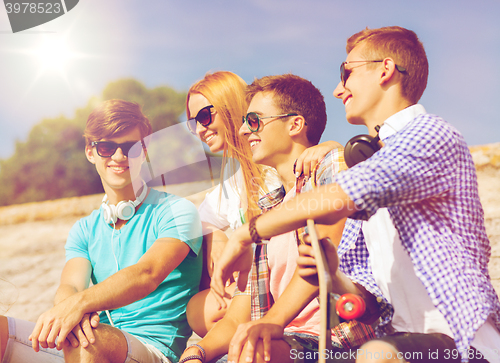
(54,54)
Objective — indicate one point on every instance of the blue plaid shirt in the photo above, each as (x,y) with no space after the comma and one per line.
(425,176)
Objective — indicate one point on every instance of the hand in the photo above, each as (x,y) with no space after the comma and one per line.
(214,241)
(215,249)
(236,256)
(248,335)
(82,333)
(306,261)
(58,323)
(312,156)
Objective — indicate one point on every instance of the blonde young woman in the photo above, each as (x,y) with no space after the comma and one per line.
(215,106)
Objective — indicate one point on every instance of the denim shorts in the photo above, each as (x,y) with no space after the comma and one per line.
(19,348)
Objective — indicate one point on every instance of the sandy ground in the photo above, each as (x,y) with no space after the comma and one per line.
(489,193)
(32,252)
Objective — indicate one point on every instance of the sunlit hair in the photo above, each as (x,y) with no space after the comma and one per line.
(405,49)
(293,94)
(226,92)
(113,118)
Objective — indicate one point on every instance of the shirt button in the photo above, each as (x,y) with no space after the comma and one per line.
(379,300)
(353,246)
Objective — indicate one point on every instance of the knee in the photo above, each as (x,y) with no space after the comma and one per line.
(203,312)
(93,353)
(72,354)
(195,313)
(110,346)
(80,354)
(377,351)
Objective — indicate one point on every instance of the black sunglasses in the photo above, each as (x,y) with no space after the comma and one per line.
(204,117)
(107,149)
(253,120)
(345,73)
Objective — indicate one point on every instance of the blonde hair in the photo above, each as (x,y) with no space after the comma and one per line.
(404,47)
(226,92)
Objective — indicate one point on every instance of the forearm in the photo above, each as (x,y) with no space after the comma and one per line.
(216,342)
(214,241)
(63,292)
(75,277)
(219,238)
(327,204)
(122,288)
(136,281)
(297,295)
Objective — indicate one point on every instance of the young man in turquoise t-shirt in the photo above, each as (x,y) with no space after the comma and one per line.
(141,252)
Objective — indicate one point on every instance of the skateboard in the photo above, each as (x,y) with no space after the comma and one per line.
(332,306)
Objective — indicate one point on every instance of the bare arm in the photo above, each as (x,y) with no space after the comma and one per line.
(300,291)
(294,299)
(137,281)
(124,287)
(214,241)
(327,204)
(297,295)
(75,277)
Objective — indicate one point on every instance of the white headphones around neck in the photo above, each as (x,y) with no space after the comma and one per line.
(124,210)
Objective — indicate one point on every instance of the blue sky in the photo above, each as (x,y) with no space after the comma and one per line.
(164,42)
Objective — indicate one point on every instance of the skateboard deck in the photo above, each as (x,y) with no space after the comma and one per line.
(332,306)
(329,318)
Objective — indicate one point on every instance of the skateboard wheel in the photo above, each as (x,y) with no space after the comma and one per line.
(350,306)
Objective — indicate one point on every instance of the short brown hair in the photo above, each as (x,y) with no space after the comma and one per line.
(404,47)
(114,117)
(293,94)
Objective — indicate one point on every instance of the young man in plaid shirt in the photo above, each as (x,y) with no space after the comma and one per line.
(415,238)
(286,116)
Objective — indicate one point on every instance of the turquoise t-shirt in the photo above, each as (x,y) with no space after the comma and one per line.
(158,319)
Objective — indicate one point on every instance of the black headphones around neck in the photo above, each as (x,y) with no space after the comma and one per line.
(360,148)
